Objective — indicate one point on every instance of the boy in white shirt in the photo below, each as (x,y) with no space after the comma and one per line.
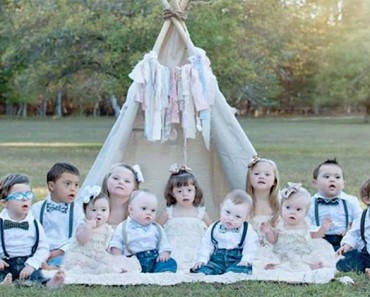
(355,245)
(23,241)
(58,213)
(141,236)
(229,245)
(331,208)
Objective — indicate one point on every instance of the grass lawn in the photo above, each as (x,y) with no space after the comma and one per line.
(297,145)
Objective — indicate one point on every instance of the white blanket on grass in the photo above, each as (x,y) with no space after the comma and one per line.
(318,276)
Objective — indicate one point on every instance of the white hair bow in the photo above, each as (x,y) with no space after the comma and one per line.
(139,174)
(90,192)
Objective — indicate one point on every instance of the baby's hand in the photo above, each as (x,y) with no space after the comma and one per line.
(326,224)
(26,272)
(343,249)
(197,265)
(163,257)
(91,223)
(244,263)
(3,265)
(265,227)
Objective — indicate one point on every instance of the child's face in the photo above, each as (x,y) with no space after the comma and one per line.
(65,188)
(121,182)
(262,176)
(98,211)
(18,209)
(294,210)
(184,195)
(233,215)
(143,208)
(330,181)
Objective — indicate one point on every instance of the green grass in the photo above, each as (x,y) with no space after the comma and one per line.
(297,145)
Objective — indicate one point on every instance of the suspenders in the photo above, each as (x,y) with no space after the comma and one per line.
(240,245)
(34,247)
(362,226)
(345,211)
(71,210)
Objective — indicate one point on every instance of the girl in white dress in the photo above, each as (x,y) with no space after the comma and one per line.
(185,219)
(88,253)
(294,248)
(263,186)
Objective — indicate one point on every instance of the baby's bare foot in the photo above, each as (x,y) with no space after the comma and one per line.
(316,265)
(8,280)
(57,280)
(270,266)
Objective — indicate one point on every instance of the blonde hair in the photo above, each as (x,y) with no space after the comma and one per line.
(104,187)
(274,197)
(137,193)
(239,197)
(294,194)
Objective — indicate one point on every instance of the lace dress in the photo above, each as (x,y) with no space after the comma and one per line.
(185,235)
(295,250)
(92,258)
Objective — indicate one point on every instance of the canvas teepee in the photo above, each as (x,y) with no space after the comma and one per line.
(175,113)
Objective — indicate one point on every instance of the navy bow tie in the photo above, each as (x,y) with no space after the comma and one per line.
(223,229)
(63,208)
(324,201)
(11,224)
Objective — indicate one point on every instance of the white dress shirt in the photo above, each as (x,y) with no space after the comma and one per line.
(56,223)
(336,213)
(228,240)
(353,236)
(139,238)
(19,242)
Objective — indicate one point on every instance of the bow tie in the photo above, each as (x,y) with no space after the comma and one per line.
(136,225)
(323,201)
(223,229)
(11,224)
(63,208)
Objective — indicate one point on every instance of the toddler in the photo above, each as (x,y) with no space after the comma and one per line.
(24,246)
(294,247)
(118,184)
(58,213)
(88,253)
(332,210)
(229,245)
(185,219)
(355,245)
(141,236)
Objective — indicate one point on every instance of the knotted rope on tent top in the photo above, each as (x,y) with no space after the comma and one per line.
(178,9)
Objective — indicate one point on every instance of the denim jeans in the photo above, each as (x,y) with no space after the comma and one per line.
(148,262)
(57,261)
(15,267)
(222,261)
(334,240)
(354,260)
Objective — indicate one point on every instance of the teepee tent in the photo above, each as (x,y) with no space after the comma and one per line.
(175,113)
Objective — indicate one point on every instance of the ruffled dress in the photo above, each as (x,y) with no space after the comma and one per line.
(92,258)
(185,235)
(295,250)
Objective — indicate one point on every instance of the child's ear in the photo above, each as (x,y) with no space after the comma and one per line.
(314,181)
(51,186)
(4,203)
(129,209)
(366,200)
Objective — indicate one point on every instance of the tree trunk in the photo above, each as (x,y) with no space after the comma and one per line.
(115,106)
(58,104)
(43,106)
(367,110)
(9,109)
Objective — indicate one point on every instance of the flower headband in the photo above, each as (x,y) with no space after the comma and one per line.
(175,169)
(138,173)
(90,192)
(254,161)
(290,189)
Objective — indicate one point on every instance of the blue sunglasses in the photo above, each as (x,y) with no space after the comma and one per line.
(20,196)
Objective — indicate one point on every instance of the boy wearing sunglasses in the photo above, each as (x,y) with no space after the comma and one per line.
(24,245)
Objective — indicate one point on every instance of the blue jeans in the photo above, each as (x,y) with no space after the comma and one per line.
(15,267)
(148,262)
(334,240)
(57,261)
(354,260)
(222,261)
